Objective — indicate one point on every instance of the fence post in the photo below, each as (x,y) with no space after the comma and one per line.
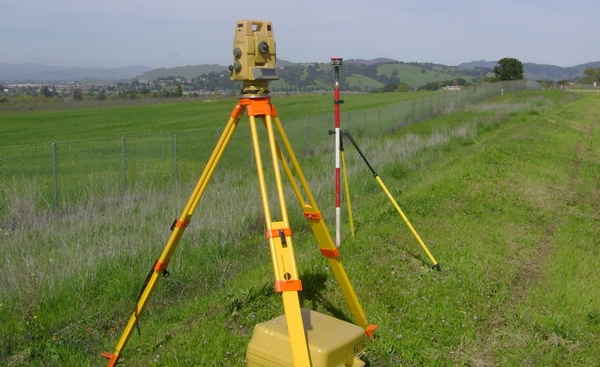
(445,108)
(402,114)
(123,182)
(348,119)
(54,176)
(306,141)
(175,167)
(430,107)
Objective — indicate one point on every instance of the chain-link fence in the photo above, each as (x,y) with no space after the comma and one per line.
(58,175)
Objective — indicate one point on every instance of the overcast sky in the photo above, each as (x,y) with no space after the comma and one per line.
(116,33)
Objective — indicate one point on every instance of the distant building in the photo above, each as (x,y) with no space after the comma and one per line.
(451,87)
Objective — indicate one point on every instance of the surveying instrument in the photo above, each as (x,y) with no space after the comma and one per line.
(300,337)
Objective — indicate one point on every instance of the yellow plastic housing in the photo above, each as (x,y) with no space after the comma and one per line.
(332,342)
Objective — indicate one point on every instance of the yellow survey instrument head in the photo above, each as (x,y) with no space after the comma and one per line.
(253,51)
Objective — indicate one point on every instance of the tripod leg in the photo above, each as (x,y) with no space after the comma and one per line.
(279,236)
(319,228)
(178,228)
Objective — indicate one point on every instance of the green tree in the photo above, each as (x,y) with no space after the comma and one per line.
(131,94)
(101,96)
(165,93)
(45,91)
(77,94)
(178,91)
(591,75)
(403,87)
(509,69)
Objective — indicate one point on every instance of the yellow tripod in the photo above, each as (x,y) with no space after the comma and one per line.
(278,232)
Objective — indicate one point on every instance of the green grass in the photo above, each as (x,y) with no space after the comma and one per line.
(362,81)
(124,140)
(505,194)
(500,210)
(42,123)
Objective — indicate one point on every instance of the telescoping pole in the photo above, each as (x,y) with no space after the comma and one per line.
(337,62)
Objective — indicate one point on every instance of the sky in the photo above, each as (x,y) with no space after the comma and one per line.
(118,33)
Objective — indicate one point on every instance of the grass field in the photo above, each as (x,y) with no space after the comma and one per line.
(44,122)
(159,144)
(505,194)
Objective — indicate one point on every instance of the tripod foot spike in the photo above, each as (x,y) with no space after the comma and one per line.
(112,358)
(370,331)
(437,267)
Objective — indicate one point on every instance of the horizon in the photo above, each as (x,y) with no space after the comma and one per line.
(293,62)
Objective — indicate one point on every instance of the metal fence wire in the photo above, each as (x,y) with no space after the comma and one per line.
(59,175)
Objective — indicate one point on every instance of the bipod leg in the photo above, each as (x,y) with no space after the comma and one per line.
(435,265)
(346,185)
(279,235)
(178,227)
(322,235)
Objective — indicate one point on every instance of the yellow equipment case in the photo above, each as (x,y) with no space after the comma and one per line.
(332,342)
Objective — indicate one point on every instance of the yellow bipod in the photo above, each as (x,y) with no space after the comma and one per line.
(435,265)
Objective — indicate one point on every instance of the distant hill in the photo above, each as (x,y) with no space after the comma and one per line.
(188,72)
(380,60)
(366,75)
(39,73)
(556,73)
(540,71)
(414,74)
(192,71)
(361,74)
(478,64)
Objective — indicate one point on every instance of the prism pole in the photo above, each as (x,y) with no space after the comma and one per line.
(337,62)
